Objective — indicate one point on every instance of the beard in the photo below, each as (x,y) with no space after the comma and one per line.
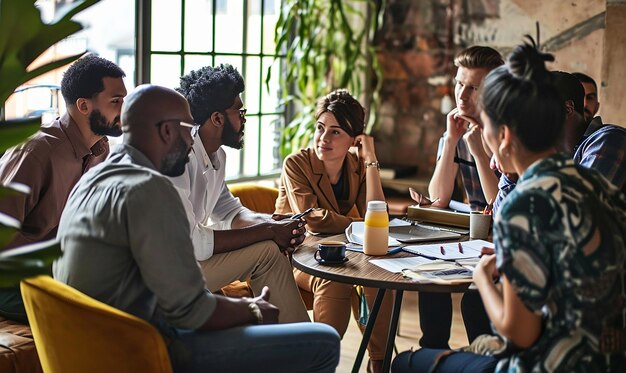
(173,164)
(230,138)
(99,125)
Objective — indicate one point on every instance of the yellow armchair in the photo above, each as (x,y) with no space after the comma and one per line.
(256,197)
(75,333)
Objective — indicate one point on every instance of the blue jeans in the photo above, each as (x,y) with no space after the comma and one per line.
(457,362)
(297,347)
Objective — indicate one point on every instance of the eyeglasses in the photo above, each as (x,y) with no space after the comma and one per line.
(242,112)
(194,128)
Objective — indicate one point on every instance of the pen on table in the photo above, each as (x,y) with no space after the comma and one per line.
(460,248)
(443,251)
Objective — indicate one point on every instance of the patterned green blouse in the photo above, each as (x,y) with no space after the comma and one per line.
(560,240)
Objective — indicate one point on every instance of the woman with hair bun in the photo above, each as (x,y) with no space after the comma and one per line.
(560,244)
(339,184)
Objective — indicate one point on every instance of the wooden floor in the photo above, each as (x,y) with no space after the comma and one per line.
(409,332)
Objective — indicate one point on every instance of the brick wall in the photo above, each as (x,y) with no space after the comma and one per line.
(417,42)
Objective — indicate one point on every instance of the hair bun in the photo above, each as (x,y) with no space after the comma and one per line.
(527,62)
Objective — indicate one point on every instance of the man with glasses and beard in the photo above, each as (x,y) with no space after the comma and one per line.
(53,160)
(230,241)
(126,242)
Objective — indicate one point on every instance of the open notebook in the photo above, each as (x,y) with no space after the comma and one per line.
(401,232)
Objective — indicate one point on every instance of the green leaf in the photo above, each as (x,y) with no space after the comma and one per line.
(28,261)
(7,232)
(12,271)
(46,251)
(15,131)
(61,27)
(13,189)
(49,67)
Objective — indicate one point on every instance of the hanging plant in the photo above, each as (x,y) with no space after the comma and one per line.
(326,44)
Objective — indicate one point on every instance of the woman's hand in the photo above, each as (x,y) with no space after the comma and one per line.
(365,145)
(486,268)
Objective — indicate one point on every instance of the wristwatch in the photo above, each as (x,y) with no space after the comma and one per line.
(372,164)
(256,312)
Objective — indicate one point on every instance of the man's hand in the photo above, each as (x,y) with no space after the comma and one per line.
(277,217)
(422,200)
(269,311)
(288,233)
(455,126)
(474,137)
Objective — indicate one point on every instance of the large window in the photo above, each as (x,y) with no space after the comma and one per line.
(109,31)
(189,34)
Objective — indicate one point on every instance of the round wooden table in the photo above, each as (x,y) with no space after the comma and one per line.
(359,271)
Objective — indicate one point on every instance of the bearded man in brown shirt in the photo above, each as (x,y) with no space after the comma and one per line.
(53,160)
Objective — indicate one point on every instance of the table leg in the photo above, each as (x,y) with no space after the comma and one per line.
(368,330)
(392,330)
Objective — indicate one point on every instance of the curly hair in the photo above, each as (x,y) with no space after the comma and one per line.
(83,79)
(522,95)
(347,110)
(210,89)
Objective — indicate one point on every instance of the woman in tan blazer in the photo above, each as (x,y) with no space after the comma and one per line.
(338,183)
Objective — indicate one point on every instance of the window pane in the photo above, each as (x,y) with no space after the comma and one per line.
(236,61)
(196,62)
(272,11)
(198,22)
(254,27)
(165,70)
(270,137)
(229,29)
(252,84)
(166,25)
(270,98)
(232,162)
(251,146)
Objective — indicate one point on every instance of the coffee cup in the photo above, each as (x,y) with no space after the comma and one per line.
(330,251)
(479,225)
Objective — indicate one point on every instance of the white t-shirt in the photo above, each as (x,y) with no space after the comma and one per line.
(208,202)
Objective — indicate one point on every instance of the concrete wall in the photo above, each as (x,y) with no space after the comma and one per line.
(419,39)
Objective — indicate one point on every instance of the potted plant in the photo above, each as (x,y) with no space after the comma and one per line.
(23,38)
(326,44)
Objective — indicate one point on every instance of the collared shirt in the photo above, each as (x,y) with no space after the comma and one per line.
(208,202)
(50,163)
(304,183)
(603,148)
(559,240)
(469,173)
(125,243)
